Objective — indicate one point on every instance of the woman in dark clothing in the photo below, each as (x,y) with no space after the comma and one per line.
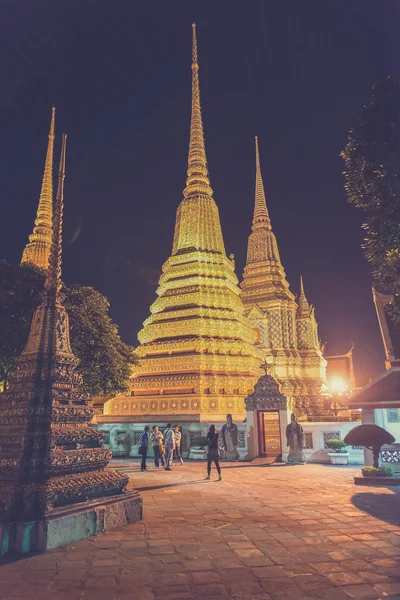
(213,451)
(145,446)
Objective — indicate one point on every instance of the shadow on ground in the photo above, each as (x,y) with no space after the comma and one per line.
(385,507)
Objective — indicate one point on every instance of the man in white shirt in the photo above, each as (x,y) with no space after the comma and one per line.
(169,444)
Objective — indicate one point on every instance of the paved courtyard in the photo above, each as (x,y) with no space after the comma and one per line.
(263,532)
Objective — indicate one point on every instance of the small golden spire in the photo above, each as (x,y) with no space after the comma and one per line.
(37,251)
(304,307)
(261,215)
(197,181)
(53,279)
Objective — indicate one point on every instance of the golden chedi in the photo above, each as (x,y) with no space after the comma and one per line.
(287,330)
(37,251)
(198,357)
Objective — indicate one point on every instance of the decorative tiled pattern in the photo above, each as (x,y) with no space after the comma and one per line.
(136,438)
(308,441)
(330,435)
(390,456)
(393,415)
(241,439)
(106,437)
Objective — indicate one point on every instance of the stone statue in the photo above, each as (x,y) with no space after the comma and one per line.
(229,435)
(295,439)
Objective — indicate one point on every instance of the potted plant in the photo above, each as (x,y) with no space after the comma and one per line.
(372,437)
(197,452)
(338,454)
(377,472)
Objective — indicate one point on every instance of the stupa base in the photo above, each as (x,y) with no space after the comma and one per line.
(70,524)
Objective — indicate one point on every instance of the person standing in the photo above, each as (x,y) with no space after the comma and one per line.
(156,440)
(144,447)
(169,444)
(178,441)
(213,451)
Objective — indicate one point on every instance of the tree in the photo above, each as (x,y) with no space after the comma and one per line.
(105,360)
(20,288)
(372,175)
(372,437)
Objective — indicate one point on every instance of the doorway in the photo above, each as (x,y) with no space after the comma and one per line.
(269,434)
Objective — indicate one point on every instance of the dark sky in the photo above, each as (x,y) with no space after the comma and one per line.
(294,73)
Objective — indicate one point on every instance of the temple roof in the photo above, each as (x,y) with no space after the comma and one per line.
(381,392)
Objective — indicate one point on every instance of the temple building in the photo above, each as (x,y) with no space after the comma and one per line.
(203,345)
(287,331)
(198,353)
(37,250)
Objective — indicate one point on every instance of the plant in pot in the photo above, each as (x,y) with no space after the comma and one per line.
(372,437)
(338,454)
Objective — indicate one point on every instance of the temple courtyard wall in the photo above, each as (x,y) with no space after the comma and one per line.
(124,439)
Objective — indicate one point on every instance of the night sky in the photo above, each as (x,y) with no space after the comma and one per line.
(294,73)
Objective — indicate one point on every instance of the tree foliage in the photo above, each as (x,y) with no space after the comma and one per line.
(372,175)
(105,360)
(370,436)
(20,288)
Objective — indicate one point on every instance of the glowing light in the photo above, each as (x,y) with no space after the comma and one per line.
(337,385)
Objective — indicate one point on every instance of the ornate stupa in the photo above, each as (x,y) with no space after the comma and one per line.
(198,358)
(287,330)
(37,250)
(54,486)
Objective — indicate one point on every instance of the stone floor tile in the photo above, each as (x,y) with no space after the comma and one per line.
(205,577)
(327,567)
(269,572)
(227,563)
(362,590)
(198,565)
(389,589)
(138,593)
(344,578)
(211,589)
(374,577)
(71,575)
(107,594)
(257,561)
(101,583)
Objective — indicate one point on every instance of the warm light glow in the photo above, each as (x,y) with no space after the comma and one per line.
(337,385)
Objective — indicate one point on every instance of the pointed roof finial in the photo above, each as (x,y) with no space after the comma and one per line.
(53,279)
(261,215)
(37,251)
(197,181)
(303,305)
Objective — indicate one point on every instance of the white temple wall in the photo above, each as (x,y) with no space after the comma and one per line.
(316,434)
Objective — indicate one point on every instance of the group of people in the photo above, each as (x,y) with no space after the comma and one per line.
(166,446)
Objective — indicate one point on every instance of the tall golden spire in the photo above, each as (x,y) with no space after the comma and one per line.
(197,225)
(264,277)
(304,307)
(197,350)
(197,181)
(261,216)
(37,251)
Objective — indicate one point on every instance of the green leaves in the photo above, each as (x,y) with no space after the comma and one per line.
(105,360)
(372,181)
